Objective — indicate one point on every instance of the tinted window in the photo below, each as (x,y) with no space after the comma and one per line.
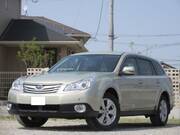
(145,67)
(130,62)
(158,68)
(87,63)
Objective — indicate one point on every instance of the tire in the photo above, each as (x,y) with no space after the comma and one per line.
(161,116)
(108,117)
(31,121)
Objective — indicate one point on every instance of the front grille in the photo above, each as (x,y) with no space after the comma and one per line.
(41,89)
(39,108)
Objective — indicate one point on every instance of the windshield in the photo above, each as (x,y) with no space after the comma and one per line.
(86,63)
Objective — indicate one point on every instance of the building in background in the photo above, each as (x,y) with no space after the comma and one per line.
(53,36)
(9,9)
(16,30)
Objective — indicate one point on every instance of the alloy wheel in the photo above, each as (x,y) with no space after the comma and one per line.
(163,110)
(108,112)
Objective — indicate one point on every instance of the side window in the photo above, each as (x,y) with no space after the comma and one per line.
(158,68)
(145,67)
(130,62)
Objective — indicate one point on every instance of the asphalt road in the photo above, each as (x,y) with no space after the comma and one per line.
(76,127)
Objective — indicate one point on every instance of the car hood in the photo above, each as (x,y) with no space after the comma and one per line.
(65,78)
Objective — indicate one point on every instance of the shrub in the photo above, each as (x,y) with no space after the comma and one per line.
(34,55)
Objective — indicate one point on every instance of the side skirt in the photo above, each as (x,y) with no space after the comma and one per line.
(137,113)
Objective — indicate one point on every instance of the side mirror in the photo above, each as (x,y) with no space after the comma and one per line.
(128,70)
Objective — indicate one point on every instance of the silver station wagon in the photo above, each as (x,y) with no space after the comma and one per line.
(98,87)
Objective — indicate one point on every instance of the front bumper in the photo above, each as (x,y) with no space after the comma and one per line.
(51,111)
(62,98)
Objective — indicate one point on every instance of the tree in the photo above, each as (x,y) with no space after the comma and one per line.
(34,55)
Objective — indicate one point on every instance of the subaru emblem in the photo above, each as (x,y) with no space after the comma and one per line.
(39,87)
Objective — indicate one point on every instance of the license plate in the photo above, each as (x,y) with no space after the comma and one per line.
(38,101)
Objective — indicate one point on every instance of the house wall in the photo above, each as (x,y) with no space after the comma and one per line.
(13,64)
(9,9)
(2,58)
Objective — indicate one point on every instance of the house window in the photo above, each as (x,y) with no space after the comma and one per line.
(6,4)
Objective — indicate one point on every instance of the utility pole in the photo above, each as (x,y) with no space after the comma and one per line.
(111,25)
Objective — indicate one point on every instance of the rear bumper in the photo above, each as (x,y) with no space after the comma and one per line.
(51,111)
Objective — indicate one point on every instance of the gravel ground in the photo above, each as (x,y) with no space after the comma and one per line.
(78,127)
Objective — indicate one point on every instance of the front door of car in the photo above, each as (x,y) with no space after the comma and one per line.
(129,86)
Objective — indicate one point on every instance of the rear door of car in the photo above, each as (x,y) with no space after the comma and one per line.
(163,82)
(148,88)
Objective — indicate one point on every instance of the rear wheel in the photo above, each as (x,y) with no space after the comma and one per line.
(161,117)
(31,121)
(108,116)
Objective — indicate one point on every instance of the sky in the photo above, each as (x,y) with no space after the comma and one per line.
(149,27)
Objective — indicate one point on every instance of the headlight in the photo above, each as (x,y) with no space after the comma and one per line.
(80,85)
(17,85)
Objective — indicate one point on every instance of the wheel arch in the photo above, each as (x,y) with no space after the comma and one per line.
(166,95)
(113,92)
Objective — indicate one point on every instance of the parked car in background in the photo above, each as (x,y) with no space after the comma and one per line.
(98,87)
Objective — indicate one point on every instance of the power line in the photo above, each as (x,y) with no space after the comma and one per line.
(142,35)
(100,18)
(149,36)
(124,43)
(158,46)
(141,44)
(171,60)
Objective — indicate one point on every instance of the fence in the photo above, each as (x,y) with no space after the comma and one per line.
(6,79)
(174,74)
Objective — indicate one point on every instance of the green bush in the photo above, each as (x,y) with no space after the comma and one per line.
(34,55)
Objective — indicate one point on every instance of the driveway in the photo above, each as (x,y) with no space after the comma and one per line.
(78,127)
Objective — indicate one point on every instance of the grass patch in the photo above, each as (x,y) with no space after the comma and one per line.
(174,121)
(7,118)
(133,120)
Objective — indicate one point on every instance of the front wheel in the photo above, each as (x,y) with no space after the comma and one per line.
(161,117)
(108,116)
(31,121)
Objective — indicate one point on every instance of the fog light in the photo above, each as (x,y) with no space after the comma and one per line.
(80,108)
(9,106)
